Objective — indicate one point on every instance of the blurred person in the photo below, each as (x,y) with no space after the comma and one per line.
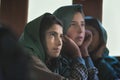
(17,64)
(108,66)
(14,62)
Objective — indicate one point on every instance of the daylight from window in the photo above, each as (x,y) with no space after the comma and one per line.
(111,22)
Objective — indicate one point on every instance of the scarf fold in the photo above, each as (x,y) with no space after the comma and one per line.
(30,38)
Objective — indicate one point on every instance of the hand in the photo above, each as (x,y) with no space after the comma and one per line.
(86,43)
(98,53)
(70,48)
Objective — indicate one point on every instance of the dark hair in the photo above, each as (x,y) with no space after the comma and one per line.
(13,60)
(47,21)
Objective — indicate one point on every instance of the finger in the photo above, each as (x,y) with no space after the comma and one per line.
(66,39)
(88,33)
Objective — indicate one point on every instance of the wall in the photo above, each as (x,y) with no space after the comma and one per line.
(14,14)
(111,22)
(38,7)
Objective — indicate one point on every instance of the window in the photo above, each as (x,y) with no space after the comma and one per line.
(39,7)
(111,22)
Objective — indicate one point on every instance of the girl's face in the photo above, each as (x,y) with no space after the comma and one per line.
(53,38)
(76,30)
(95,39)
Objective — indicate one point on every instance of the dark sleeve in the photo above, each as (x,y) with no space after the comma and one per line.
(92,70)
(78,70)
(40,71)
(106,71)
(114,63)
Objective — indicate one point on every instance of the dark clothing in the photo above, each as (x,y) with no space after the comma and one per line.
(65,65)
(92,70)
(70,68)
(108,66)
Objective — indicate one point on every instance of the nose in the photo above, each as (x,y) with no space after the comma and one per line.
(79,30)
(59,41)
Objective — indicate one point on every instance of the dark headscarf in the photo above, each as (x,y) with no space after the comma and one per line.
(93,22)
(34,33)
(66,13)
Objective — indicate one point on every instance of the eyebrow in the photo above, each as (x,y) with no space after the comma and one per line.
(74,21)
(54,32)
(77,22)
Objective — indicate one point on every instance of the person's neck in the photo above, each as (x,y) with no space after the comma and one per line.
(48,60)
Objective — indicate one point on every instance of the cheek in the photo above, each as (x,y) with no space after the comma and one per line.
(49,43)
(94,44)
(96,41)
(61,41)
(71,34)
(91,46)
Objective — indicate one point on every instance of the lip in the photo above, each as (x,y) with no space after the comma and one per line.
(79,38)
(56,49)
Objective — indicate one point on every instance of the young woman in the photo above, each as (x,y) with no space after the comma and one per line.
(42,37)
(109,67)
(74,27)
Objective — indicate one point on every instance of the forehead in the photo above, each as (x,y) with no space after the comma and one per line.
(78,15)
(56,27)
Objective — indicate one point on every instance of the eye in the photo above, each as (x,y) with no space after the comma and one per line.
(74,25)
(83,24)
(52,33)
(61,36)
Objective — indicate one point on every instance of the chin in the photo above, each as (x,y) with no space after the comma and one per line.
(79,44)
(55,56)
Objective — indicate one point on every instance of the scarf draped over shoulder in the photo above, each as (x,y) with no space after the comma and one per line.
(30,38)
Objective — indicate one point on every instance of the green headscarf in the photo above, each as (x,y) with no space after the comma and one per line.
(31,40)
(91,21)
(66,13)
(33,37)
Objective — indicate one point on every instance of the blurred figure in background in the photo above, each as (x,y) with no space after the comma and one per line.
(108,66)
(14,62)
